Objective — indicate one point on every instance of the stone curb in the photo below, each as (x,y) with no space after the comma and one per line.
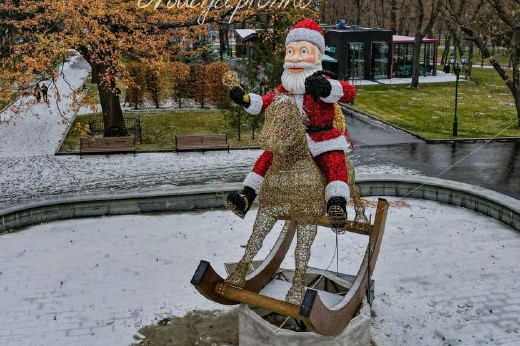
(496,205)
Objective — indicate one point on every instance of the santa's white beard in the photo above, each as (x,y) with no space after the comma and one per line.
(295,82)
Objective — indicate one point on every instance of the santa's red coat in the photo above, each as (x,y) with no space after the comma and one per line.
(328,147)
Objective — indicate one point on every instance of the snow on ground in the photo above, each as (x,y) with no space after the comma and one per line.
(26,179)
(450,280)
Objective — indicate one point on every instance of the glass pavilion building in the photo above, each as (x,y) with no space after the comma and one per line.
(366,53)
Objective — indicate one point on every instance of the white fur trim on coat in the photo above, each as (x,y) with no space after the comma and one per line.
(254,181)
(336,92)
(318,148)
(337,188)
(307,35)
(256,103)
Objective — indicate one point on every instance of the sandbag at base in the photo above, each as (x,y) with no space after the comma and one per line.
(254,331)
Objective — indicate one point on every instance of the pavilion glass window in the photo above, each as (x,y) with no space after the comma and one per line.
(379,60)
(402,62)
(426,58)
(355,60)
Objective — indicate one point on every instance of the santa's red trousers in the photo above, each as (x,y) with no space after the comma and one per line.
(331,164)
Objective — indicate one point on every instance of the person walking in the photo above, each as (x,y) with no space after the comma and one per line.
(44,91)
(37,92)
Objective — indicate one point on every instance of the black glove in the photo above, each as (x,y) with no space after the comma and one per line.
(317,85)
(237,95)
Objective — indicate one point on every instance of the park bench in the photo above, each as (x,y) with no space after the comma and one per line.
(107,145)
(201,142)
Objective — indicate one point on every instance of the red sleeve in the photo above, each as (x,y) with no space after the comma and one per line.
(268,98)
(349,92)
(263,163)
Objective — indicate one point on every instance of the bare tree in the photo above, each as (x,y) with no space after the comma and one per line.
(426,12)
(496,21)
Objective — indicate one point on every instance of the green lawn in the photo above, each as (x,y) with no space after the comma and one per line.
(485,107)
(500,54)
(160,127)
(12,97)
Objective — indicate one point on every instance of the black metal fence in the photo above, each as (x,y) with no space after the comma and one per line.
(132,126)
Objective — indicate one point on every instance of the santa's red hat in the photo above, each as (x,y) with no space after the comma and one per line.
(309,31)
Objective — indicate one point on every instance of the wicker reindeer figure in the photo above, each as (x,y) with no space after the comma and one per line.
(293,189)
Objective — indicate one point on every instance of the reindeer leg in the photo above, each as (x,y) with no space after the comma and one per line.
(305,235)
(263,225)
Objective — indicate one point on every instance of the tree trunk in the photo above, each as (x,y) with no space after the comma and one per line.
(512,84)
(222,41)
(358,12)
(469,66)
(155,97)
(446,53)
(393,16)
(111,107)
(420,33)
(226,38)
(239,122)
(95,74)
(416,52)
(517,105)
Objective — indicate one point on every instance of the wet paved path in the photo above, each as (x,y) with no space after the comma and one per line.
(493,165)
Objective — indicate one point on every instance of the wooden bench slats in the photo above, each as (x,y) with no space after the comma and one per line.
(107,145)
(201,142)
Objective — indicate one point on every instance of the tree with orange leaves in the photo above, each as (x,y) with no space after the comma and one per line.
(178,80)
(104,32)
(217,93)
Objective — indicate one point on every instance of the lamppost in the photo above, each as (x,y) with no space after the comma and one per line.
(456,70)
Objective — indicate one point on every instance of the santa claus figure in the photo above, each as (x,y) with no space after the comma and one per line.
(315,95)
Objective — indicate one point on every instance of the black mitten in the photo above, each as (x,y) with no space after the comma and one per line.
(237,95)
(317,85)
(240,203)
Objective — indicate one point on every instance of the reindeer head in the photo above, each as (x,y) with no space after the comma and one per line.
(283,133)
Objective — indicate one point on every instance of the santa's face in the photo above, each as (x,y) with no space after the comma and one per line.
(302,59)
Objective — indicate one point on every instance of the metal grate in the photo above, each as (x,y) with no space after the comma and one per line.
(132,126)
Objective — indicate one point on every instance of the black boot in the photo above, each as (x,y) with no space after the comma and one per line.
(239,203)
(337,211)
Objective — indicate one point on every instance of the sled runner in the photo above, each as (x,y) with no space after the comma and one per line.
(315,312)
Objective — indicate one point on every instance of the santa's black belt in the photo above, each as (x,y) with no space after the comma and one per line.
(315,129)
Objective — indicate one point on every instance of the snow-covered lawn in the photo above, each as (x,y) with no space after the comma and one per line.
(96,281)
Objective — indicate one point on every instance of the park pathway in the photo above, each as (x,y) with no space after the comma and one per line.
(38,128)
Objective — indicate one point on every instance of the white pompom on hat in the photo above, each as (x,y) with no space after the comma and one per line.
(309,31)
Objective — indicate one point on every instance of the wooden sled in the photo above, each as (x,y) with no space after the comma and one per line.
(317,316)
